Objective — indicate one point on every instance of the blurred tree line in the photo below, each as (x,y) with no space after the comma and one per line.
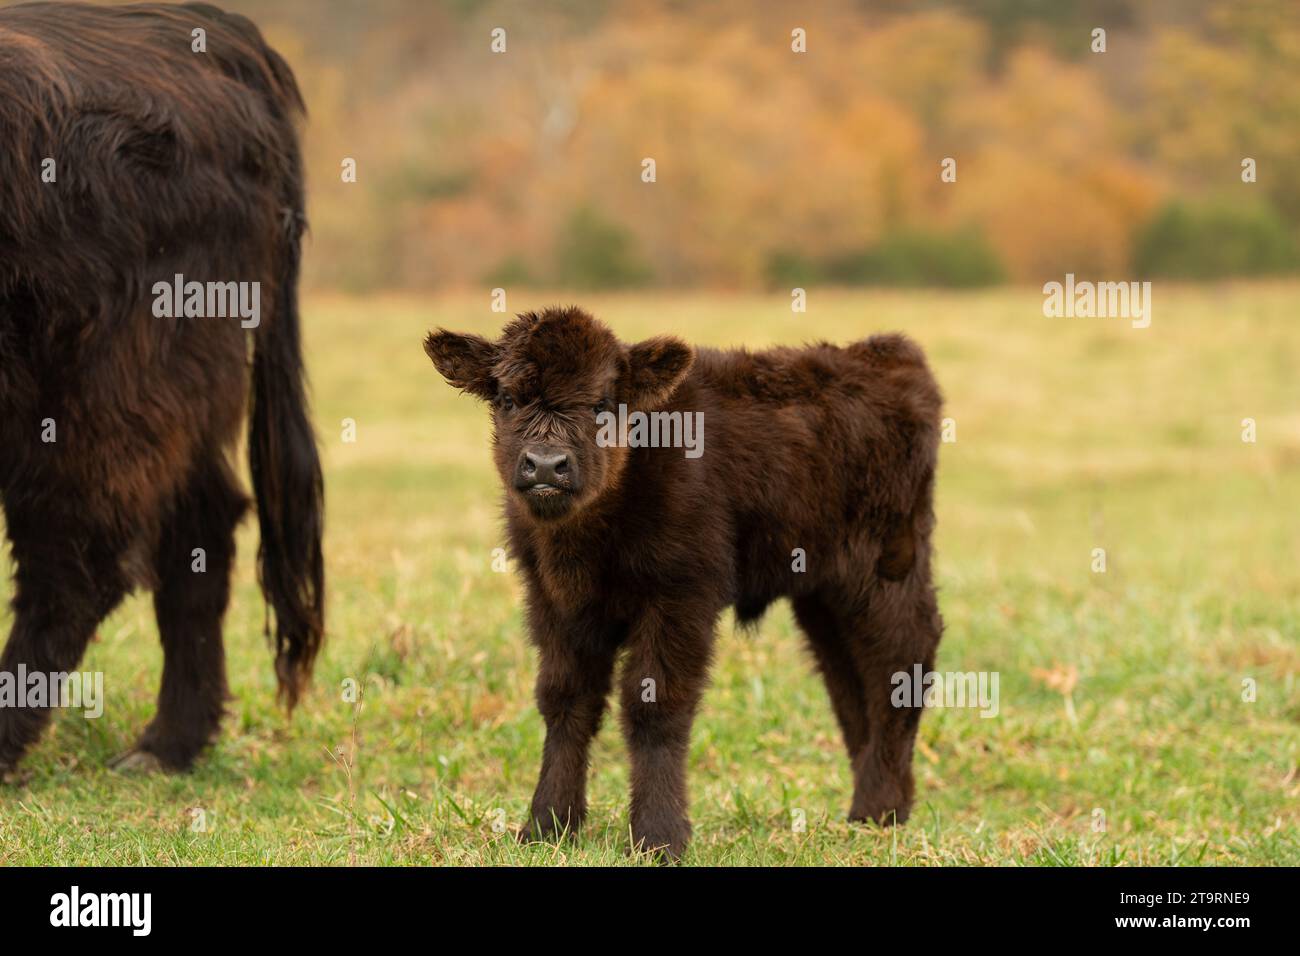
(774,167)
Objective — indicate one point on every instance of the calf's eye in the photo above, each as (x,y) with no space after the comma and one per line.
(602,406)
(507,403)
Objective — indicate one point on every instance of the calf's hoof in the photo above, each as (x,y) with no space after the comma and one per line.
(665,841)
(550,826)
(883,814)
(886,801)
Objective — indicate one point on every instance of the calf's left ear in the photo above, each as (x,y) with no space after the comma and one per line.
(465,361)
(655,368)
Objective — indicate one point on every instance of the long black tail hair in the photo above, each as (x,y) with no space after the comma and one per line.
(287,484)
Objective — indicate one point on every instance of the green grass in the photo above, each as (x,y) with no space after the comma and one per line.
(1072,434)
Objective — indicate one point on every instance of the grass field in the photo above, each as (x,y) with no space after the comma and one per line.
(1122,735)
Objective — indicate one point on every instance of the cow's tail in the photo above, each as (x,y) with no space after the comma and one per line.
(287,480)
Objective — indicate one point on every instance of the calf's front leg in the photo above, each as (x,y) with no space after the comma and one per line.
(663,677)
(572,686)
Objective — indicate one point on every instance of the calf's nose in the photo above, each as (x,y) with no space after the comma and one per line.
(543,467)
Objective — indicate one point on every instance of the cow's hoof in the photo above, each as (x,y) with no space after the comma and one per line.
(136,761)
(11,777)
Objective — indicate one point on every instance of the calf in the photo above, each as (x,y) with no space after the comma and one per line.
(810,477)
(128,157)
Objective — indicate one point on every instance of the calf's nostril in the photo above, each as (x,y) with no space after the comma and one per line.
(544,468)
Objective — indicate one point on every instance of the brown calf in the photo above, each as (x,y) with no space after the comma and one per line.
(813,481)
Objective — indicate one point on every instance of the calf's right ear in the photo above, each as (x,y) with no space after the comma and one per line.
(465,361)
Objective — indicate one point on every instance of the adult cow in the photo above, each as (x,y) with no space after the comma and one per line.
(138,144)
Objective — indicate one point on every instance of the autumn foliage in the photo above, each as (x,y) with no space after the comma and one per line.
(527,166)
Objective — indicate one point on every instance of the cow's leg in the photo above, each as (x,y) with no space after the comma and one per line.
(663,678)
(892,635)
(572,687)
(196,551)
(67,579)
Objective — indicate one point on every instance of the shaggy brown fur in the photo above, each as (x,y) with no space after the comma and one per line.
(167,161)
(636,551)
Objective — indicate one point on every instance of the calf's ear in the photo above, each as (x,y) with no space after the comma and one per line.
(465,361)
(655,368)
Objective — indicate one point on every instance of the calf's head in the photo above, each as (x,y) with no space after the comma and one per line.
(548,378)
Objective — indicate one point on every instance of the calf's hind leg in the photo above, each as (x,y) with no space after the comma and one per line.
(196,551)
(900,629)
(826,627)
(860,644)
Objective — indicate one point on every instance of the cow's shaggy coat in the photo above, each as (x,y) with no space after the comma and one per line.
(816,484)
(117,426)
